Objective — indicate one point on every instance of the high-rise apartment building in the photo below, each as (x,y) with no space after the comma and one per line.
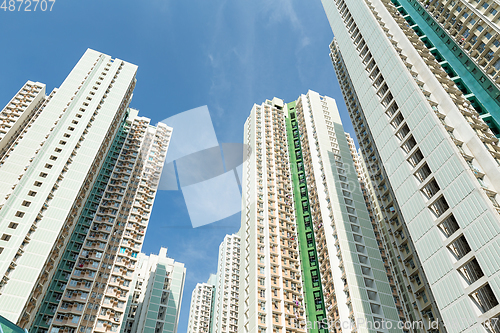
(464,38)
(78,176)
(339,252)
(154,303)
(201,310)
(310,257)
(432,161)
(92,282)
(226,297)
(270,279)
(50,147)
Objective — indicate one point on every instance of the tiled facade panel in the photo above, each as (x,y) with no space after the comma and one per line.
(436,200)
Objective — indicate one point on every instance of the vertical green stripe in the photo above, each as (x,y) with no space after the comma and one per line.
(315,313)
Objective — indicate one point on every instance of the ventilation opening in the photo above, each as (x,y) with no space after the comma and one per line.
(449,226)
(372,296)
(439,206)
(471,271)
(5,237)
(423,172)
(492,325)
(369,283)
(430,189)
(459,248)
(484,298)
(416,158)
(403,132)
(409,144)
(392,109)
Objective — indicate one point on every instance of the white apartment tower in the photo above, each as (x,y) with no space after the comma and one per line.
(271,298)
(341,260)
(432,159)
(154,304)
(201,310)
(50,153)
(226,298)
(79,172)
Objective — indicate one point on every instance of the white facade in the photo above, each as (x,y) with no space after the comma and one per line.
(44,175)
(270,280)
(354,280)
(21,109)
(155,301)
(225,308)
(440,158)
(200,312)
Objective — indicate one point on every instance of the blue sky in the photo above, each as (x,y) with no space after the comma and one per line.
(224,54)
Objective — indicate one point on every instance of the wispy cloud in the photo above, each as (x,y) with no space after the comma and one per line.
(284,10)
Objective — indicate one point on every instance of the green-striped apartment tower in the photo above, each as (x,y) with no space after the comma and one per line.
(53,297)
(346,286)
(313,293)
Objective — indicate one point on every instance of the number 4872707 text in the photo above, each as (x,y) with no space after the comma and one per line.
(27,5)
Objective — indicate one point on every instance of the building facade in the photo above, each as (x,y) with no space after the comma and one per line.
(202,305)
(271,298)
(432,159)
(154,303)
(49,159)
(226,294)
(78,174)
(339,252)
(307,237)
(464,38)
(411,282)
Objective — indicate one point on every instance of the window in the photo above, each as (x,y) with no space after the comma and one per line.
(5,237)
(13,225)
(26,203)
(62,142)
(481,47)
(37,184)
(493,11)
(43,175)
(48,166)
(497,64)
(32,193)
(19,214)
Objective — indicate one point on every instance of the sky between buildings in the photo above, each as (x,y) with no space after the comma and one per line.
(226,54)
